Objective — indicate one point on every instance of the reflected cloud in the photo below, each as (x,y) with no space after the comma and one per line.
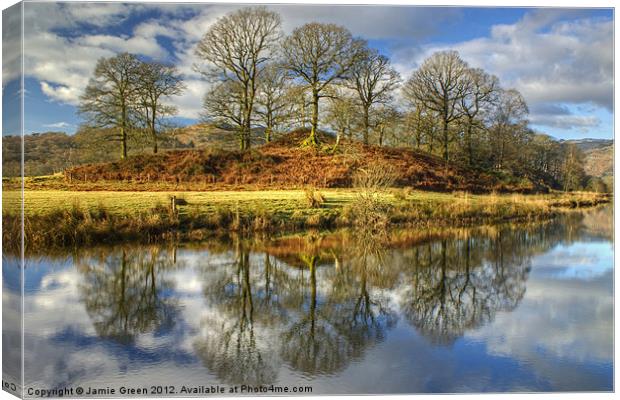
(480,309)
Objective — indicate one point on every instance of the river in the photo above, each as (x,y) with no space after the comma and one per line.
(489,309)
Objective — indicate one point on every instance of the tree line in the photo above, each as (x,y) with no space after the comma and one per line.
(322,77)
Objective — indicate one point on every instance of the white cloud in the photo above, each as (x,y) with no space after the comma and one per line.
(547,58)
(190,102)
(145,45)
(371,21)
(566,121)
(59,125)
(551,56)
(63,65)
(11,44)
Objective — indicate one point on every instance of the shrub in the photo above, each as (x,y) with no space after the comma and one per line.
(375,177)
(314,220)
(314,198)
(402,194)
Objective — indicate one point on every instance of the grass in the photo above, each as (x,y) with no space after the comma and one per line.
(64,218)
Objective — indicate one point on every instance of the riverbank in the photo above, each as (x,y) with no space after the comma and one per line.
(71,218)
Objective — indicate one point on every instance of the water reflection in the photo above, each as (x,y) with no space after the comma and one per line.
(124,293)
(230,345)
(313,307)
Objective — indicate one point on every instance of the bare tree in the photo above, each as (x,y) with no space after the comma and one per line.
(273,101)
(157,82)
(440,84)
(509,119)
(236,48)
(420,125)
(374,80)
(342,113)
(385,120)
(320,55)
(480,95)
(108,100)
(223,104)
(300,101)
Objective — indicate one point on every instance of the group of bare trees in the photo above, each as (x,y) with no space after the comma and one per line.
(320,75)
(262,77)
(463,112)
(129,95)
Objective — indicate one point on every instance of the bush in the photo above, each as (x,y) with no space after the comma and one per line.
(314,198)
(370,213)
(375,177)
(402,194)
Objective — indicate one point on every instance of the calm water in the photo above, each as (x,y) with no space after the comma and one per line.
(526,308)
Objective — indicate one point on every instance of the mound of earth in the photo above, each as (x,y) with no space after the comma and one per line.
(284,164)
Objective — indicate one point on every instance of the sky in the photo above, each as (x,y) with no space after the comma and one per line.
(560,59)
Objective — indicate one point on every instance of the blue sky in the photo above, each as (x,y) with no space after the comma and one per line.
(560,59)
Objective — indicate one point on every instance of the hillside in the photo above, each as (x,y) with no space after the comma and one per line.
(209,135)
(283,164)
(50,152)
(598,156)
(599,161)
(591,144)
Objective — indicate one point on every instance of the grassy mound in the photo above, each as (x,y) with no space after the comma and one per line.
(284,164)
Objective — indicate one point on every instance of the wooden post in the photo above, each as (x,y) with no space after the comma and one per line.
(173,204)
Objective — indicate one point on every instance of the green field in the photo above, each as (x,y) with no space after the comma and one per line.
(69,218)
(272,201)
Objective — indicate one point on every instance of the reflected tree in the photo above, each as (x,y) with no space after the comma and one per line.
(311,344)
(233,344)
(123,294)
(460,285)
(339,315)
(363,311)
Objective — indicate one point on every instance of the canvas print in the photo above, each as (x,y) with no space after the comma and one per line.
(295,199)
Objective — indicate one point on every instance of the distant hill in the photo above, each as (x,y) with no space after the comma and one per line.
(599,161)
(598,156)
(45,153)
(591,144)
(50,152)
(210,135)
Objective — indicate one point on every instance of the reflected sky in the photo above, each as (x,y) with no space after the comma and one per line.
(514,308)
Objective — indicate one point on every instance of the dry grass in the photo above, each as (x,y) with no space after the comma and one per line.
(281,164)
(61,218)
(314,198)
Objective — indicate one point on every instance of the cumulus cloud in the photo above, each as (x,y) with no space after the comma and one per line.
(560,116)
(550,56)
(11,44)
(63,64)
(553,56)
(579,122)
(413,23)
(59,125)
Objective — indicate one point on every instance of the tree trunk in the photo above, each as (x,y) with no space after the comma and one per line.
(154,133)
(313,139)
(500,161)
(445,141)
(241,138)
(267,134)
(123,134)
(123,142)
(366,125)
(470,150)
(247,135)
